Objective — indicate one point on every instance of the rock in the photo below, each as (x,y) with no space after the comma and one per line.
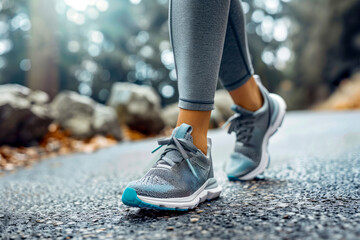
(138,107)
(105,121)
(83,117)
(24,115)
(170,115)
(222,111)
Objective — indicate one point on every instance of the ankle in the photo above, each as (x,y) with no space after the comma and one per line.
(199,120)
(200,142)
(248,96)
(252,106)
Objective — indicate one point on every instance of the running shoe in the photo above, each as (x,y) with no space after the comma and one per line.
(253,130)
(181,178)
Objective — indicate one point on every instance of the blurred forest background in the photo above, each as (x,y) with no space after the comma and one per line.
(302,49)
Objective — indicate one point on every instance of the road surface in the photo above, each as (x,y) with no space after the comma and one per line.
(311,190)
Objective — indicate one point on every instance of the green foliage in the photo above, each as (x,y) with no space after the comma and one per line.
(14,32)
(104,41)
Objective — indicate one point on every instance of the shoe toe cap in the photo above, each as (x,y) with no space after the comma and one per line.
(150,189)
(239,165)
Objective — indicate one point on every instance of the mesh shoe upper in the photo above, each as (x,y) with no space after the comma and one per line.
(179,172)
(250,128)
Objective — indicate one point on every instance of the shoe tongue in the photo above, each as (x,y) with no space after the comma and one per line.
(242,111)
(183,131)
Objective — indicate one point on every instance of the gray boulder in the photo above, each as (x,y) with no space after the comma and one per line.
(83,117)
(137,107)
(24,115)
(170,115)
(222,110)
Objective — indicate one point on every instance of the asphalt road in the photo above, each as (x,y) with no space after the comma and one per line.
(310,191)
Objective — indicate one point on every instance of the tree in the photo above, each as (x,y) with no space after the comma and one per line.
(43,48)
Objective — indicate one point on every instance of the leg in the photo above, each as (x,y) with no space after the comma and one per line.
(236,70)
(258,113)
(183,175)
(198,30)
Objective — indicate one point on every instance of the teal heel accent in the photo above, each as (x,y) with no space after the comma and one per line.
(234,179)
(130,198)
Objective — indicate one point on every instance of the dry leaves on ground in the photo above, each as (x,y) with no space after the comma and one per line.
(346,97)
(56,142)
(59,142)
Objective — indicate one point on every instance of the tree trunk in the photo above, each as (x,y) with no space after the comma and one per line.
(42,48)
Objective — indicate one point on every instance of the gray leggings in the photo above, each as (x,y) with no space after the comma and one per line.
(209,40)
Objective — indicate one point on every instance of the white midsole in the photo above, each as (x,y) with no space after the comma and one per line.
(191,201)
(265,158)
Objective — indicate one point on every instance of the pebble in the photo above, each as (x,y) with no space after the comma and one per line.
(89,236)
(178,224)
(282,205)
(248,228)
(170,228)
(204,232)
(188,232)
(194,220)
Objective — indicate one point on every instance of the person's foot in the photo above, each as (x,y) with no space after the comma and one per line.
(253,130)
(182,178)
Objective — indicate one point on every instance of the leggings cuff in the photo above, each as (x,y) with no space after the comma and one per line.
(196,105)
(238,83)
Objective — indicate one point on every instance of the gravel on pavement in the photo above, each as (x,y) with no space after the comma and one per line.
(310,191)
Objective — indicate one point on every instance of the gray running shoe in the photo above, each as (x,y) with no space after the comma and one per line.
(253,130)
(182,178)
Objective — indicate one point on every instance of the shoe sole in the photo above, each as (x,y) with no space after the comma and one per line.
(264,162)
(206,192)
